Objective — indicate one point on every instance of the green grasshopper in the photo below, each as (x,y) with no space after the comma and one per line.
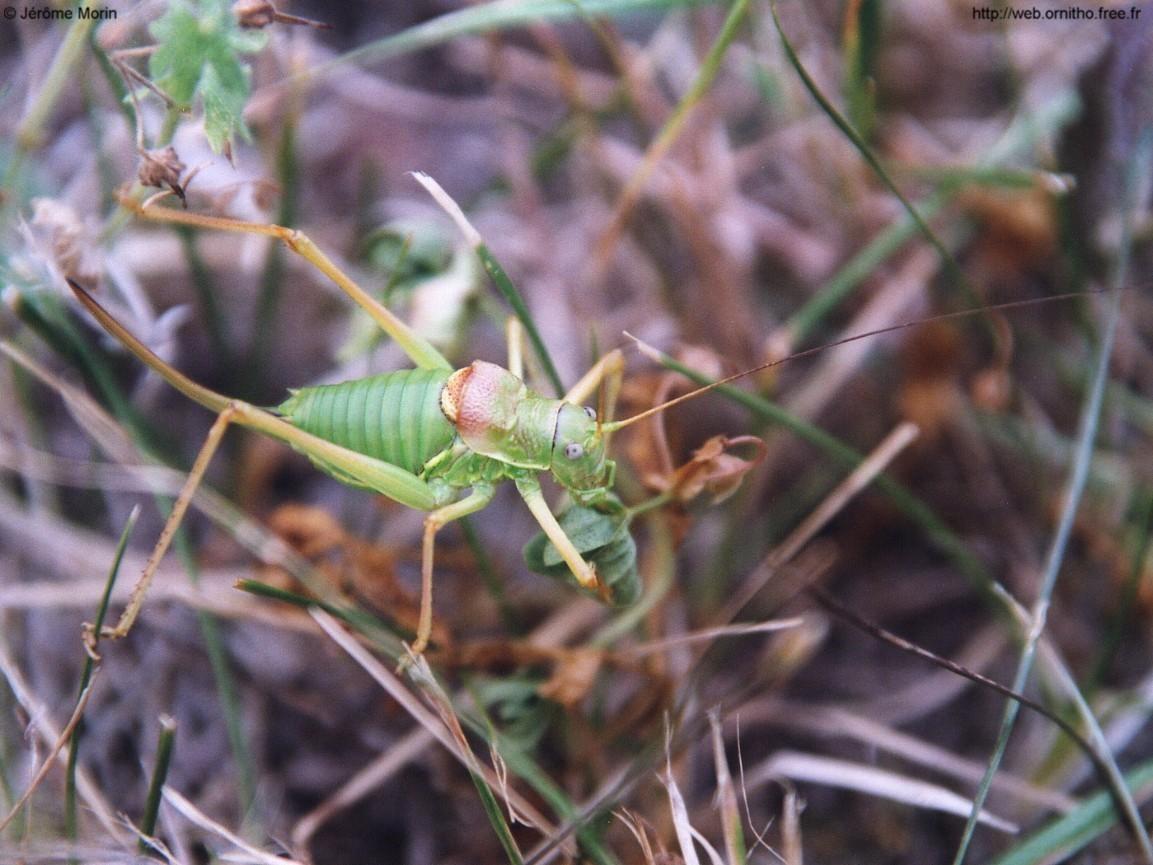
(421,437)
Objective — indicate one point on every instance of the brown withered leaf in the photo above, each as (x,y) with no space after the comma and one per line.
(363,571)
(991,389)
(499,656)
(1019,226)
(163,169)
(932,360)
(311,531)
(572,671)
(712,470)
(257,14)
(930,363)
(572,676)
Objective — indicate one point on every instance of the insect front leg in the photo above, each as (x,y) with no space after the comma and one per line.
(514,336)
(586,575)
(609,371)
(478,499)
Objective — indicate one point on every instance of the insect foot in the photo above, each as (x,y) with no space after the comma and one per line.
(604,541)
(88,635)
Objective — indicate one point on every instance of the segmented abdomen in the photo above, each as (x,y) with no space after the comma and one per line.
(395,417)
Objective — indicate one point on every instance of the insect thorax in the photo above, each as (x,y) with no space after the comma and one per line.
(498,416)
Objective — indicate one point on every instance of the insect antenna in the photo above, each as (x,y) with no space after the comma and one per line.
(600,407)
(657,355)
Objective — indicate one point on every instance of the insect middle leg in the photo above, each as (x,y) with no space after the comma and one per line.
(477,500)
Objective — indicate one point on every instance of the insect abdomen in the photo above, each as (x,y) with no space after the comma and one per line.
(395,416)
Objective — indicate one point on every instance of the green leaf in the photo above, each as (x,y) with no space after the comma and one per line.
(198,57)
(604,541)
(223,107)
(589,530)
(517,709)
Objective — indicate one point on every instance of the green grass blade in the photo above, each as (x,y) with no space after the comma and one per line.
(1064,837)
(947,260)
(381,635)
(861,266)
(1090,417)
(1107,764)
(44,312)
(422,675)
(496,818)
(272,275)
(862,43)
(1127,608)
(71,822)
(113,80)
(495,272)
(164,745)
(515,299)
(524,767)
(489,17)
(226,688)
(30,133)
(207,295)
(1020,136)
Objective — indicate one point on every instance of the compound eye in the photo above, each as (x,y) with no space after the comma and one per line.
(574,451)
(591,412)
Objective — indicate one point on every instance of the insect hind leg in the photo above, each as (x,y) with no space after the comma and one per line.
(171,525)
(420,351)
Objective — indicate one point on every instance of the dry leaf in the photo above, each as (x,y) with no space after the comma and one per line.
(162,169)
(711,471)
(572,676)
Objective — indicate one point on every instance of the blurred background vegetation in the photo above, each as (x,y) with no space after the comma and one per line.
(730,183)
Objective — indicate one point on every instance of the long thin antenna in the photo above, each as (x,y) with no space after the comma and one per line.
(658,356)
(600,407)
